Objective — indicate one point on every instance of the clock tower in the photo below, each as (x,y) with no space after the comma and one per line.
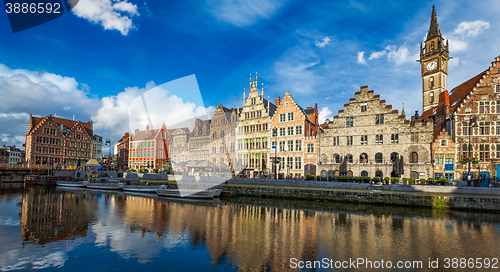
(434,56)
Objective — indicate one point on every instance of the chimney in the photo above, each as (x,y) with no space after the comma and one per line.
(147,128)
(277,101)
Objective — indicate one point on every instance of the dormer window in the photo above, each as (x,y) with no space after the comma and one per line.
(443,142)
(432,45)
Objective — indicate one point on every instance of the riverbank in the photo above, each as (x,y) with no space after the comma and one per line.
(435,197)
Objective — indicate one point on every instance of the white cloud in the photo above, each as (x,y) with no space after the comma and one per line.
(453,62)
(463,33)
(400,55)
(323,42)
(114,15)
(377,54)
(244,13)
(170,103)
(361,57)
(112,116)
(324,113)
(39,93)
(471,29)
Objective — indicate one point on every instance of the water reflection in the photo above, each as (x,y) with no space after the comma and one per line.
(246,234)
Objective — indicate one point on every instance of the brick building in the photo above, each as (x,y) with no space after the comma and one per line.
(296,133)
(199,140)
(149,148)
(370,134)
(122,152)
(443,153)
(477,99)
(97,148)
(254,132)
(58,142)
(223,130)
(179,148)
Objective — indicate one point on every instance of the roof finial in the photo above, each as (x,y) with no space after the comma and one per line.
(250,80)
(262,90)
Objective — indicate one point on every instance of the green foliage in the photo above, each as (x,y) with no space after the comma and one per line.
(330,178)
(411,179)
(394,178)
(422,180)
(443,180)
(358,178)
(367,178)
(405,179)
(387,178)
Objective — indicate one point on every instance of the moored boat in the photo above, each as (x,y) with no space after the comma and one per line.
(105,186)
(72,183)
(187,193)
(140,188)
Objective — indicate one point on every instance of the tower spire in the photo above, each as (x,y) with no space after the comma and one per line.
(434,27)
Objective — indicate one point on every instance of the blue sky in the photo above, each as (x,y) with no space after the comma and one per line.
(94,61)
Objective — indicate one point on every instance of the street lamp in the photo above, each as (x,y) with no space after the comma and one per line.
(275,134)
(471,119)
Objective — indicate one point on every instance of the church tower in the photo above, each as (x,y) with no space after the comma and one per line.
(434,58)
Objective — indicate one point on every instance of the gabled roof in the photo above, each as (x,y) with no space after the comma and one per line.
(145,136)
(65,122)
(458,94)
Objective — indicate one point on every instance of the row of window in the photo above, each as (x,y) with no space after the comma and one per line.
(288,131)
(199,142)
(50,131)
(47,140)
(293,163)
(223,133)
(363,158)
(379,139)
(77,145)
(484,151)
(253,114)
(146,154)
(255,128)
(199,155)
(80,154)
(47,150)
(144,144)
(288,146)
(45,160)
(287,117)
(379,120)
(485,128)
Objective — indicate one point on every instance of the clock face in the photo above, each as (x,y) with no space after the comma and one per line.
(431,65)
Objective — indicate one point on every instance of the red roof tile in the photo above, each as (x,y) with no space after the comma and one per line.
(459,93)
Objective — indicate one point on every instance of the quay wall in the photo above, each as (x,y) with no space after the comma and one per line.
(373,197)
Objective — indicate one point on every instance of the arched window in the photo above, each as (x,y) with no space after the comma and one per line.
(443,142)
(378,158)
(414,175)
(432,45)
(349,158)
(431,82)
(364,174)
(336,158)
(394,156)
(431,97)
(379,174)
(363,158)
(413,157)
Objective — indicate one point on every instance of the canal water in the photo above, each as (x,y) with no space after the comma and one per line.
(80,230)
